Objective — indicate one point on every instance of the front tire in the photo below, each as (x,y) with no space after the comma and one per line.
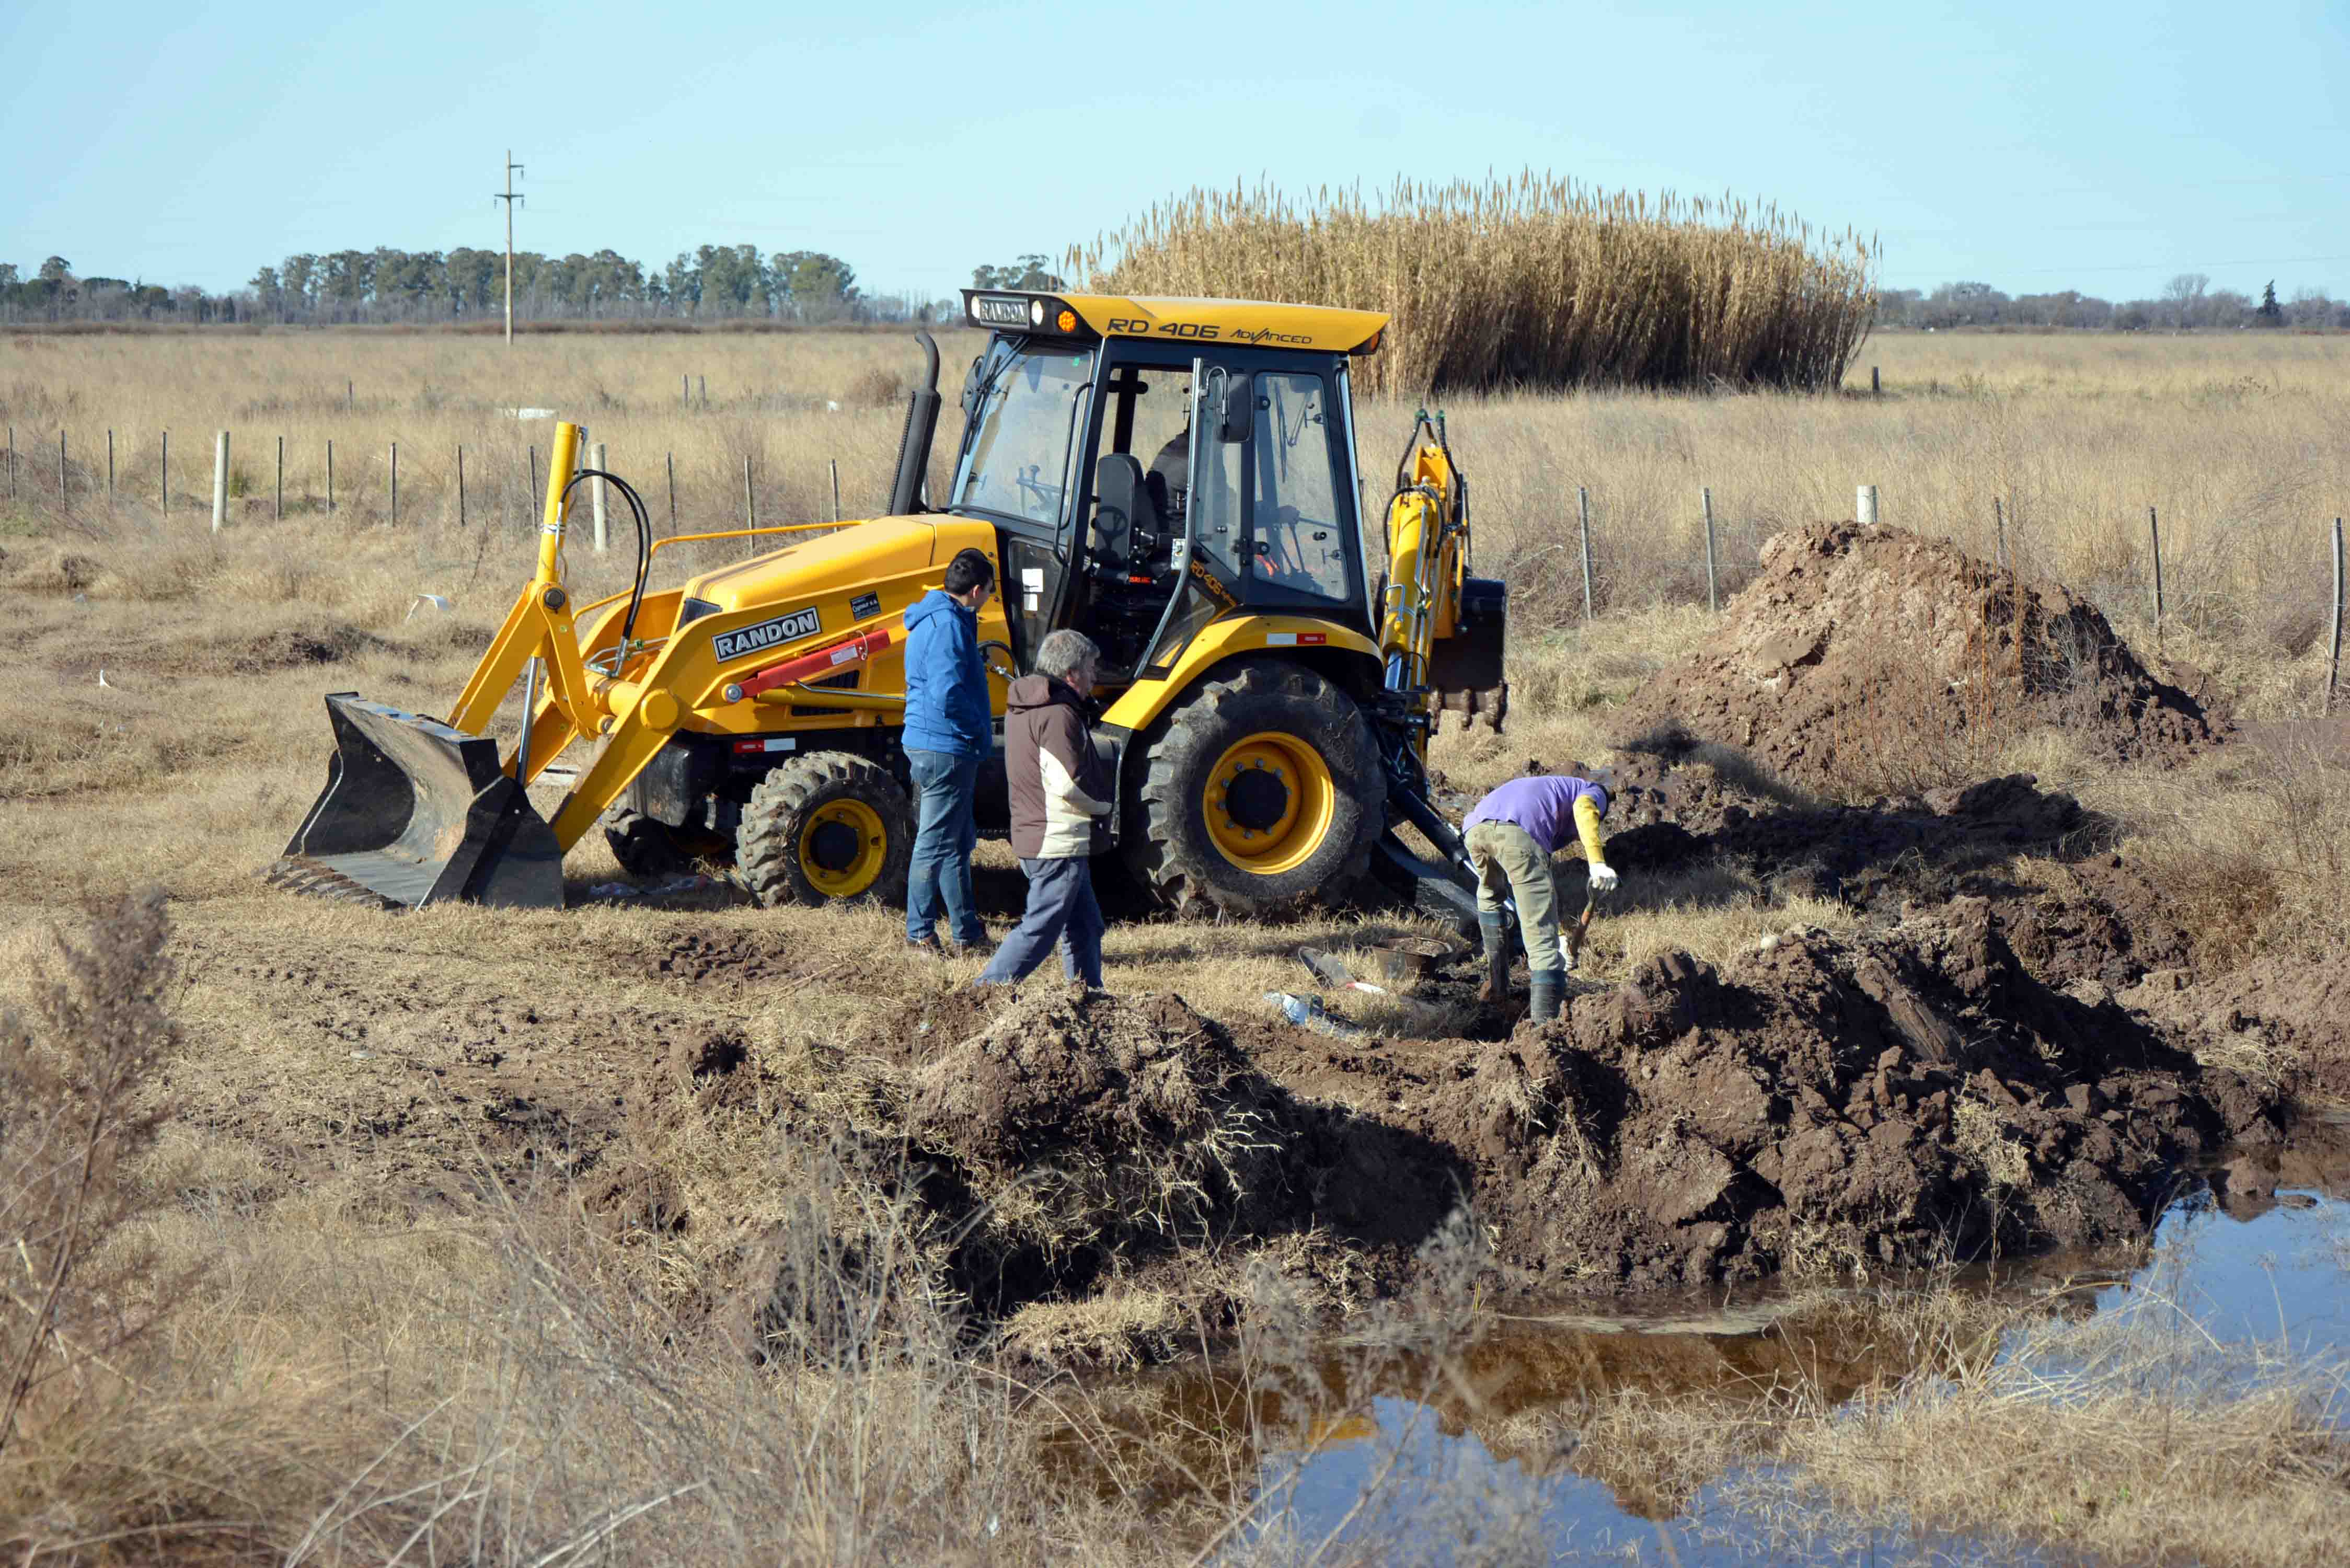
(825,827)
(1261,796)
(643,847)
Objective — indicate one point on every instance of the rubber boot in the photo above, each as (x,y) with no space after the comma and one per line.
(1549,987)
(1495,933)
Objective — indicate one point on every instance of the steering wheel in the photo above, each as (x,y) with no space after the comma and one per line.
(1282,558)
(1048,496)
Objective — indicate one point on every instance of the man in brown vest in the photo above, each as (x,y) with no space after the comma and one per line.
(1060,813)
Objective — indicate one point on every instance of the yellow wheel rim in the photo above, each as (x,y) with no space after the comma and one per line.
(1268,803)
(842,848)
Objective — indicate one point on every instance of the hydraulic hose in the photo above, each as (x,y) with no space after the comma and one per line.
(644,543)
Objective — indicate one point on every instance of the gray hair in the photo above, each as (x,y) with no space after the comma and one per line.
(1065,652)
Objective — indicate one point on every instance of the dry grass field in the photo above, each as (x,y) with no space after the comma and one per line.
(389,1320)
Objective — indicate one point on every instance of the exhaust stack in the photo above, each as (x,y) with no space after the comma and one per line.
(914,445)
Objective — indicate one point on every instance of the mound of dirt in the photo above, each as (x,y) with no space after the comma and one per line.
(1849,1104)
(1867,661)
(2285,1015)
(1056,1137)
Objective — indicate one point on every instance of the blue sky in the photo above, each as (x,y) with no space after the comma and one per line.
(2102,147)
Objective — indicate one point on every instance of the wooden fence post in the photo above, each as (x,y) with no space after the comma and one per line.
(2154,530)
(12,462)
(1713,584)
(395,484)
(703,383)
(164,483)
(668,462)
(110,470)
(220,480)
(1999,528)
(834,463)
(1583,512)
(535,497)
(279,510)
(330,477)
(351,397)
(65,495)
(750,500)
(596,495)
(1875,387)
(684,392)
(2333,656)
(461,484)
(1863,504)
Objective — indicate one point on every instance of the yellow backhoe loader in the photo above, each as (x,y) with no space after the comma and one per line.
(1176,478)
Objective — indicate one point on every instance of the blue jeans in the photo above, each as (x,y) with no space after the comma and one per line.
(1061,908)
(944,835)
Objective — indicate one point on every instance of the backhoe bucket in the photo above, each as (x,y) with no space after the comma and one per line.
(415,813)
(1466,667)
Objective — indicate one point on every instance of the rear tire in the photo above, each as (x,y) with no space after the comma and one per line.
(1261,796)
(826,827)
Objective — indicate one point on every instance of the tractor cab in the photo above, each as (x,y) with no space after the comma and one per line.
(1150,465)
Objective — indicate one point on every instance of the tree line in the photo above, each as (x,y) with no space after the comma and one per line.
(388,285)
(2188,304)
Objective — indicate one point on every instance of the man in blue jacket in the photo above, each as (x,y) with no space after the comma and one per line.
(949,732)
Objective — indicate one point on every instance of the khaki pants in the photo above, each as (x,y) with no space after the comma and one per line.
(1511,864)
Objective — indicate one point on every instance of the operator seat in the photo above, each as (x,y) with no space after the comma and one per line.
(1170,472)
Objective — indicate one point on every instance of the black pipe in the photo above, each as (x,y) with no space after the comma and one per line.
(914,444)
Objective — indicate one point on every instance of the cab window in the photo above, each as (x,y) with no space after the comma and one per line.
(1016,465)
(1295,541)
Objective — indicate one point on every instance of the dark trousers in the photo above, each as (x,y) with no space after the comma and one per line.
(1061,908)
(944,836)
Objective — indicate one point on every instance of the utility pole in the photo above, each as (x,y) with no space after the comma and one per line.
(509,198)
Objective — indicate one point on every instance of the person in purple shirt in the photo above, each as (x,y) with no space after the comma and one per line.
(1511,835)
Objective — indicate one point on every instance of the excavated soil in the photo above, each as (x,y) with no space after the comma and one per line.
(1865,660)
(1822,1105)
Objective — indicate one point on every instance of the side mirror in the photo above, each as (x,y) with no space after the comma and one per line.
(1123,509)
(1240,407)
(971,387)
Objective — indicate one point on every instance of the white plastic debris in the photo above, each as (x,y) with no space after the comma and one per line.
(438,601)
(102,680)
(528,413)
(1312,1014)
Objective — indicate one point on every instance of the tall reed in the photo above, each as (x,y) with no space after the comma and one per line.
(1534,282)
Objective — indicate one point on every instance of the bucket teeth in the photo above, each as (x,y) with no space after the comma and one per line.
(300,874)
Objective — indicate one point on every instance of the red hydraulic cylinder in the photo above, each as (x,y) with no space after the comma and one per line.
(821,662)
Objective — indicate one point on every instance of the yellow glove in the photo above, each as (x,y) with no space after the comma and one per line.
(1587,823)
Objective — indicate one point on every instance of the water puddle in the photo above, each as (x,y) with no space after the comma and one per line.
(1513,1451)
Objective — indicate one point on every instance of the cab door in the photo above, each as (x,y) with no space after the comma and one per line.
(1208,578)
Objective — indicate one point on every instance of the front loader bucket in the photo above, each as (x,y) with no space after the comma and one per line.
(416,812)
